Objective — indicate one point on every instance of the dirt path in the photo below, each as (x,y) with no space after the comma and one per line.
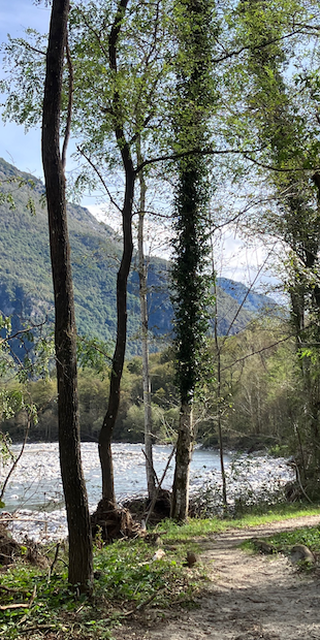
(248,597)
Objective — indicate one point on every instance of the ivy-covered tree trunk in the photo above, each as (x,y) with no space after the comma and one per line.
(195,98)
(80,544)
(190,299)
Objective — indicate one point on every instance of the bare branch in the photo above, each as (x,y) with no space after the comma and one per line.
(278,169)
(254,353)
(22,331)
(245,297)
(100,176)
(16,460)
(31,48)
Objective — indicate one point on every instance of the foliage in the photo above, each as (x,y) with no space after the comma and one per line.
(10,184)
(282,125)
(126,577)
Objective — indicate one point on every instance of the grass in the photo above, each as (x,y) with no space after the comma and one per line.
(195,528)
(283,541)
(127,580)
(309,536)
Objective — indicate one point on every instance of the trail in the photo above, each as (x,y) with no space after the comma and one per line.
(247,597)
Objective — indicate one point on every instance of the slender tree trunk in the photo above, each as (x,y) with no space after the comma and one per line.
(80,544)
(219,399)
(143,274)
(106,432)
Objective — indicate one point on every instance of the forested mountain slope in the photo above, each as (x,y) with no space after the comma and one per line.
(25,272)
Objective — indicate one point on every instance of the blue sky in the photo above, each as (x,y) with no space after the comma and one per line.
(16,147)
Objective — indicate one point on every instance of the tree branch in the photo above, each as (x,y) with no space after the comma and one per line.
(95,33)
(254,353)
(237,52)
(70,102)
(100,176)
(201,152)
(16,460)
(22,331)
(278,169)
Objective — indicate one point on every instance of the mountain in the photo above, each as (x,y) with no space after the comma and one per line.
(253,301)
(25,271)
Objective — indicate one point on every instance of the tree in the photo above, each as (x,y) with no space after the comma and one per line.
(194,105)
(80,543)
(143,279)
(282,126)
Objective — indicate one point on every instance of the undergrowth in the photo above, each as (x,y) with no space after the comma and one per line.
(128,579)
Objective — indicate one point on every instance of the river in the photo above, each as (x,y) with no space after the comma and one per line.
(34,492)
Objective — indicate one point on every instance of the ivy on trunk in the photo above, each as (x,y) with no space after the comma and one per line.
(194,99)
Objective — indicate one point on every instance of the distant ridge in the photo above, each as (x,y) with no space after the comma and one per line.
(25,273)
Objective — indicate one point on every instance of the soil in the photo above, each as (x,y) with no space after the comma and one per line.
(247,596)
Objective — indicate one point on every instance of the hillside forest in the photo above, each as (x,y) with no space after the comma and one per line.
(197,114)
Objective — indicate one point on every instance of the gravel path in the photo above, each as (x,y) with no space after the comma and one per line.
(248,597)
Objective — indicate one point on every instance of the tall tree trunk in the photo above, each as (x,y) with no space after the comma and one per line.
(219,398)
(80,544)
(143,274)
(194,100)
(105,437)
(184,448)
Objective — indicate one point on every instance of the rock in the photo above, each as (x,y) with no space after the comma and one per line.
(262,546)
(191,558)
(301,553)
(159,554)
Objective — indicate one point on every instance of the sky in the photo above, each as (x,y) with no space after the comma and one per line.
(235,260)
(15,147)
